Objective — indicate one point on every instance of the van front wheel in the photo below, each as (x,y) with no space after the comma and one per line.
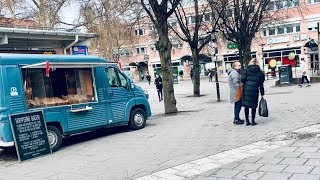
(137,119)
(54,137)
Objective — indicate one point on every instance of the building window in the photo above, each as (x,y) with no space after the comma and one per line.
(280,30)
(272,32)
(139,32)
(177,45)
(279,4)
(290,29)
(313,1)
(65,86)
(284,29)
(173,23)
(207,17)
(141,50)
(264,33)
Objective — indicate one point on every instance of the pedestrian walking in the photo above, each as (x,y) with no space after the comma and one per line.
(253,80)
(148,77)
(158,83)
(209,75)
(234,79)
(304,72)
(181,75)
(212,73)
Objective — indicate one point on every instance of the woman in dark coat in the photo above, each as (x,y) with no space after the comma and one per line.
(252,79)
(158,83)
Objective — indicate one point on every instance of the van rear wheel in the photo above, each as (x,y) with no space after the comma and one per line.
(137,119)
(54,137)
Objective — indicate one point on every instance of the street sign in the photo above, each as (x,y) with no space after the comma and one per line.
(30,135)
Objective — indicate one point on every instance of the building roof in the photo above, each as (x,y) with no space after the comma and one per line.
(27,34)
(26,59)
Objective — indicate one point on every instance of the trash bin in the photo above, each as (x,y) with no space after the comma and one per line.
(175,79)
(285,74)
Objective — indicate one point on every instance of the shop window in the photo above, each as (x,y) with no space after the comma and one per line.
(63,87)
(116,79)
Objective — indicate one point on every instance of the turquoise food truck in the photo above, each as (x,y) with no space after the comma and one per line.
(76,94)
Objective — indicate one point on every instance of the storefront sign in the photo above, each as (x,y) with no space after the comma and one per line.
(30,135)
(296,37)
(278,40)
(79,50)
(232,45)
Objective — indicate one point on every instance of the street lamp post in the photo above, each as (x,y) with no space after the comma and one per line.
(214,59)
(262,45)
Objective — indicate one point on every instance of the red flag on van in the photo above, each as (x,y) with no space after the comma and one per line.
(120,65)
(47,69)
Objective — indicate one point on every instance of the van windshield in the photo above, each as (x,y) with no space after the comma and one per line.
(63,86)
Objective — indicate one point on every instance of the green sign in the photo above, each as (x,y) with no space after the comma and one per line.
(232,45)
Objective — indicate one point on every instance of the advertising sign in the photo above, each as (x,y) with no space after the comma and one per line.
(79,50)
(30,135)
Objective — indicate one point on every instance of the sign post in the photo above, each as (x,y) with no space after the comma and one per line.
(30,135)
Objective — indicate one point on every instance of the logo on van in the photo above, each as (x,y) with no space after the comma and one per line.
(13,91)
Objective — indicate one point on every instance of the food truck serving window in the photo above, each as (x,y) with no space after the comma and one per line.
(64,86)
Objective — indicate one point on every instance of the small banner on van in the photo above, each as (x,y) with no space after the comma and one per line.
(47,69)
(30,135)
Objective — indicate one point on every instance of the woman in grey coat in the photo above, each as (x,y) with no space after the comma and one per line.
(252,79)
(234,78)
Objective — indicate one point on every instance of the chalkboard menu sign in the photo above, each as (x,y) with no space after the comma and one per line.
(30,135)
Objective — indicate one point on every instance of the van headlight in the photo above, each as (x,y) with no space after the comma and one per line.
(146,94)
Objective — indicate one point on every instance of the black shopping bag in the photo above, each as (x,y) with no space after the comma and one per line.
(263,108)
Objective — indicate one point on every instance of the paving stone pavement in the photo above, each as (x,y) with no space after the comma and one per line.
(200,133)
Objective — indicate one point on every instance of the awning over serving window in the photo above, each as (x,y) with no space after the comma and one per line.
(68,65)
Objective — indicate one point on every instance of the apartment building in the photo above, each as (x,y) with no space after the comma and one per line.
(296,32)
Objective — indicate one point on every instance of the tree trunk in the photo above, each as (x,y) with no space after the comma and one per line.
(196,73)
(168,90)
(244,56)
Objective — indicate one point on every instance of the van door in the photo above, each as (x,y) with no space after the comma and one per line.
(118,93)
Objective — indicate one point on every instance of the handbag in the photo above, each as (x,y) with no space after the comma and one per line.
(239,92)
(263,108)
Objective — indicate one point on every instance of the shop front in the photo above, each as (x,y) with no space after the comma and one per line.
(282,57)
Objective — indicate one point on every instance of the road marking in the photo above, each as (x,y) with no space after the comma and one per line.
(208,163)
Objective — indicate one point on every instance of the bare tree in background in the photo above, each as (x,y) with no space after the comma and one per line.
(113,21)
(45,12)
(241,20)
(159,13)
(197,34)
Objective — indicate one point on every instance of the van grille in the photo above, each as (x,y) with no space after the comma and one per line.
(17,104)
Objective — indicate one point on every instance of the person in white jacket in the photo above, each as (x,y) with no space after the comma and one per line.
(304,72)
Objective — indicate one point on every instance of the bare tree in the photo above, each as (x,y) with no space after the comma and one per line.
(197,34)
(112,21)
(159,13)
(45,12)
(241,20)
